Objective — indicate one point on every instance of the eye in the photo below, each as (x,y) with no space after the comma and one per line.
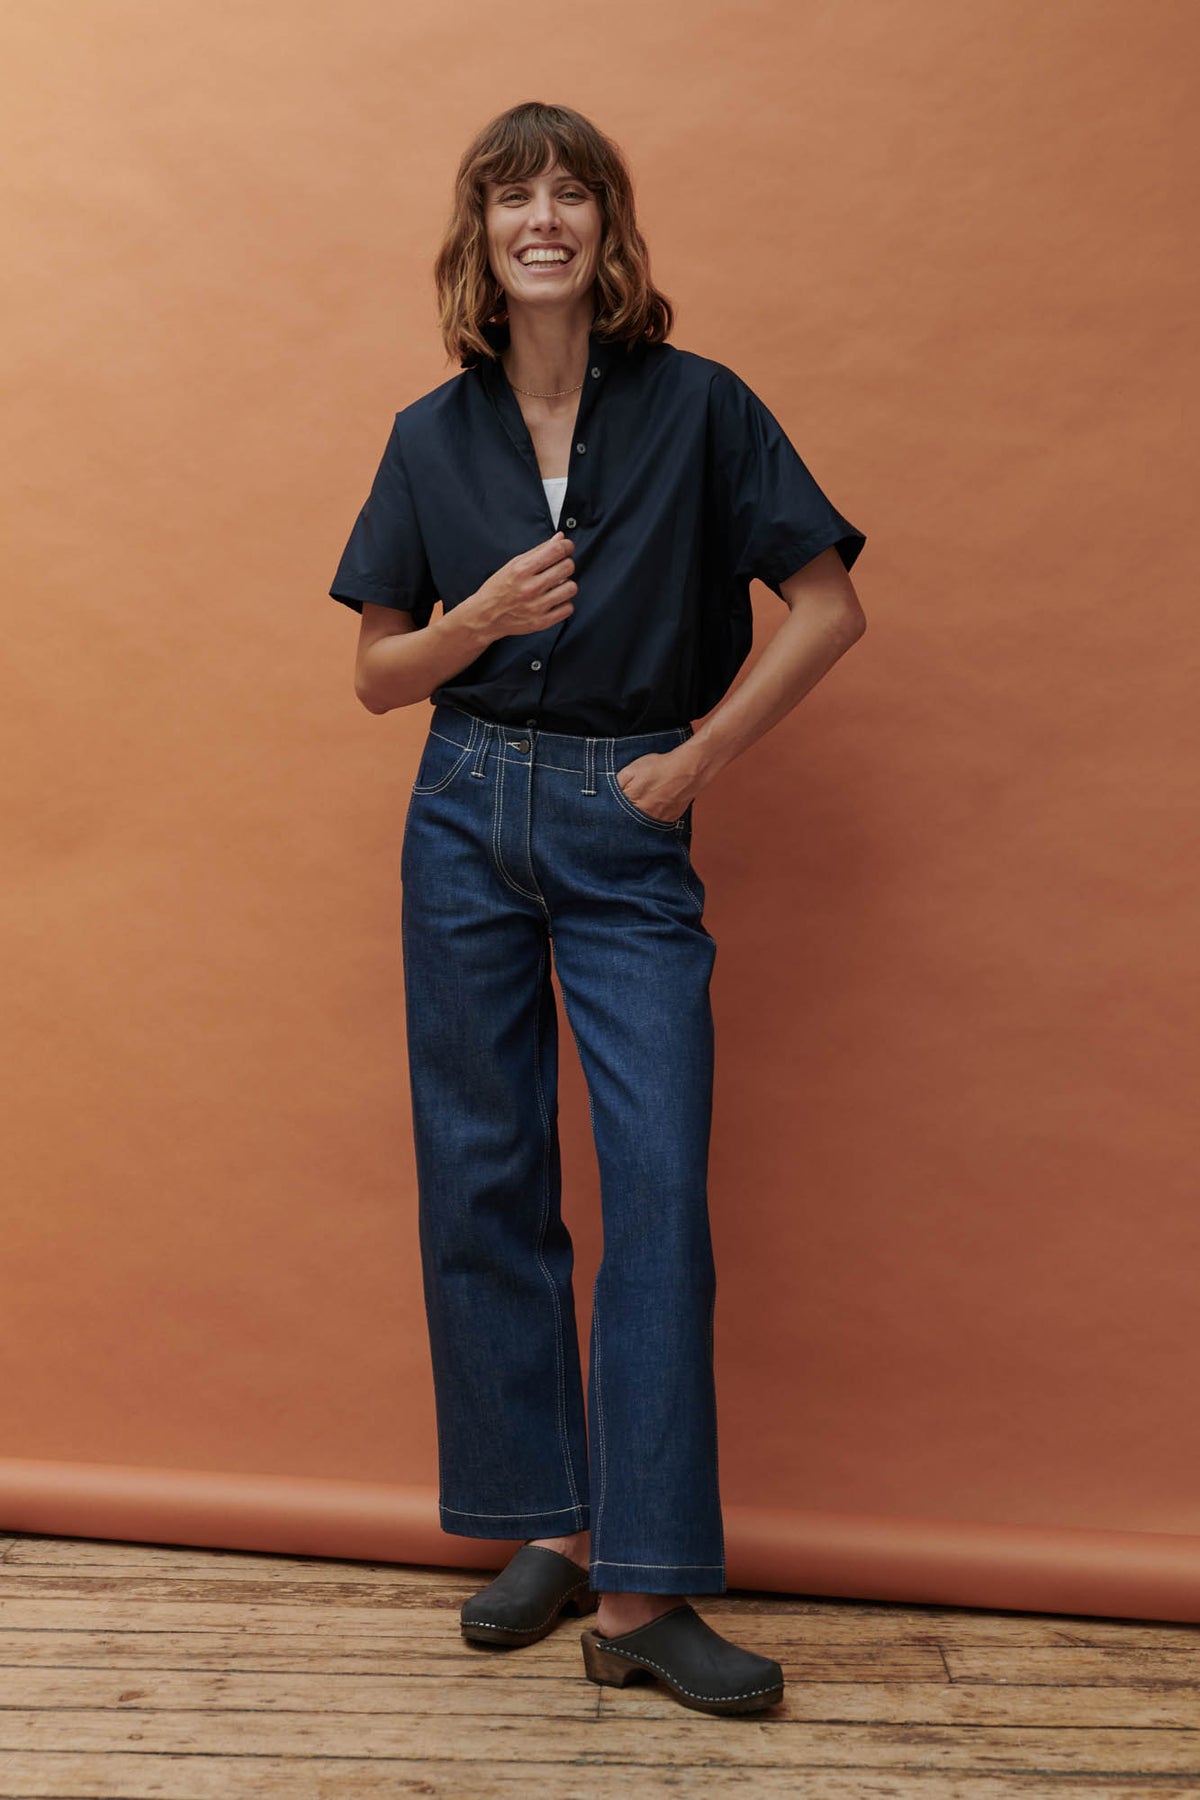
(518,193)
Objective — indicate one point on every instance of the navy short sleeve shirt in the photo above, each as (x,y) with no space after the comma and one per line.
(682,488)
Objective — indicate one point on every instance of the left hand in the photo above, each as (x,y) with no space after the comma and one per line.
(658,785)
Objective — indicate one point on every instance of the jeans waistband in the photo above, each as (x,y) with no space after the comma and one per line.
(567,749)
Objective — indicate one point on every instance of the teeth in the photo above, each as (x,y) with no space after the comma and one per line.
(532,256)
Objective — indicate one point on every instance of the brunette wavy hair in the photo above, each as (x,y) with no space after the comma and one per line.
(514,146)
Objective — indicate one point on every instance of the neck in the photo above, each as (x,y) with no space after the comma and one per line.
(546,352)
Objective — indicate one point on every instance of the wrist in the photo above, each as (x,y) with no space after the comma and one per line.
(467,626)
(701,757)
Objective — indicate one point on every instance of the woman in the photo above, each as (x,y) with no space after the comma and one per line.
(552,813)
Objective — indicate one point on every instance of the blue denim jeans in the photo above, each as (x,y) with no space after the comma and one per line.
(519,843)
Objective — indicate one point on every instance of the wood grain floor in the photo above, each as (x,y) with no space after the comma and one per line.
(138,1670)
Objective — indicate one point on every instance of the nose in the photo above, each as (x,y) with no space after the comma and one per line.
(545,215)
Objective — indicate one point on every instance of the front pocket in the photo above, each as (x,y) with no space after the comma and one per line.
(441,760)
(636,812)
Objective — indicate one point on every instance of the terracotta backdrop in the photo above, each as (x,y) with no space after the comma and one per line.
(954,1185)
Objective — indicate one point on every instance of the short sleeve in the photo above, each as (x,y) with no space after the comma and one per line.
(385,560)
(774,517)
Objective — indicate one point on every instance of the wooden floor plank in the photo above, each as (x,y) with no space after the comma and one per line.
(785,1622)
(653,1736)
(138,1777)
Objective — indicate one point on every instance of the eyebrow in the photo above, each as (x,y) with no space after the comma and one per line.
(524,180)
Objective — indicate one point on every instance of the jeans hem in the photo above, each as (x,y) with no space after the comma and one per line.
(565,1521)
(659,1578)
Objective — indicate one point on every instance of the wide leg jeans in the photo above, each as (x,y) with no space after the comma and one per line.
(520,845)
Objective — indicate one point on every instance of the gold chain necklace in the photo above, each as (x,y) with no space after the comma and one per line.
(534,395)
(532,392)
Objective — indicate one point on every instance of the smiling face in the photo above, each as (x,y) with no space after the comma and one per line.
(543,237)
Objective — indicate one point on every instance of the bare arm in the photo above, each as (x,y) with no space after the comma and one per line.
(825,618)
(399,663)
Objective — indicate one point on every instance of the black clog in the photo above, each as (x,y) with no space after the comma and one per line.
(527,1598)
(700,1667)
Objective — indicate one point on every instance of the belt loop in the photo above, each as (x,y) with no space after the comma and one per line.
(481,733)
(589,766)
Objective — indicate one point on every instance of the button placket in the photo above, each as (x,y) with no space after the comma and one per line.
(518,431)
(522,438)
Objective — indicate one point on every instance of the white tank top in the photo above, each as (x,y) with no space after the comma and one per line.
(556,487)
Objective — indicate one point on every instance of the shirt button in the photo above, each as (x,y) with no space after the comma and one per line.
(535,664)
(531,722)
(570,524)
(595,371)
(581,448)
